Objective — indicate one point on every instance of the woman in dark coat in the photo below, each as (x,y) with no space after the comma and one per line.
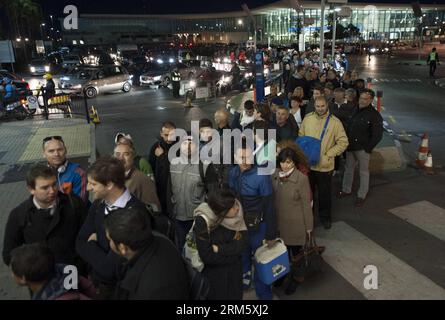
(221,237)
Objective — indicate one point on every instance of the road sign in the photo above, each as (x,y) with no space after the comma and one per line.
(259,76)
(6,52)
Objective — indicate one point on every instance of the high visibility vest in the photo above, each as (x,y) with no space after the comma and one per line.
(433,56)
(176,76)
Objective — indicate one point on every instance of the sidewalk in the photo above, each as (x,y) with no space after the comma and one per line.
(20,148)
(386,157)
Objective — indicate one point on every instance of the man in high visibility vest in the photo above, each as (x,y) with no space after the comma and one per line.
(433,60)
(176,81)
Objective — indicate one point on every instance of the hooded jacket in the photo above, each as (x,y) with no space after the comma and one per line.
(256,195)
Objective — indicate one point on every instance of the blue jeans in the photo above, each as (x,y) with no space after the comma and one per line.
(263,291)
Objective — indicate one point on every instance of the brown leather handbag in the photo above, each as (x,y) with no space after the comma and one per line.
(308,262)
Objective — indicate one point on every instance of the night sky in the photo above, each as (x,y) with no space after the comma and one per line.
(55,7)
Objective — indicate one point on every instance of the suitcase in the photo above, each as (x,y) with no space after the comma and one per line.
(272,264)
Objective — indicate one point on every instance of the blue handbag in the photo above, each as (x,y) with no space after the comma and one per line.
(312,146)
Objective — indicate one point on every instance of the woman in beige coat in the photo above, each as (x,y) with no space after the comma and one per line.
(292,205)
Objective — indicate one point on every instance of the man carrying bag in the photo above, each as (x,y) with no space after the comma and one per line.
(333,143)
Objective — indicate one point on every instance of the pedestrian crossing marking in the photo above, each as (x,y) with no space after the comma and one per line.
(348,252)
(397,80)
(424,215)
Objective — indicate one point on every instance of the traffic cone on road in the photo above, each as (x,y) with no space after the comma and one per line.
(94,115)
(423,152)
(429,164)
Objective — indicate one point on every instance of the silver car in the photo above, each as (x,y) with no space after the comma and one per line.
(96,80)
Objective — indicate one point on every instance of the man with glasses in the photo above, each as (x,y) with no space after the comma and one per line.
(71,178)
(364,132)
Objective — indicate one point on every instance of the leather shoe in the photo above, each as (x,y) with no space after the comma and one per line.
(342,194)
(291,287)
(327,225)
(360,202)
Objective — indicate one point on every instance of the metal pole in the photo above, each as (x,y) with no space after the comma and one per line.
(45,103)
(334,33)
(85,101)
(323,4)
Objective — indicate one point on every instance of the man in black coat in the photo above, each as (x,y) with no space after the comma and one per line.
(365,131)
(287,127)
(48,216)
(297,80)
(154,269)
(106,181)
(159,162)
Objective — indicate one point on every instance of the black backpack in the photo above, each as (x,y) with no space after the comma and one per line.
(199,285)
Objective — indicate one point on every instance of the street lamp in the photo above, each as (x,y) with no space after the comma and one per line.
(240,22)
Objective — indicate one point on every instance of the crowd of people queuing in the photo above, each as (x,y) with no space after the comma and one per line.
(99,220)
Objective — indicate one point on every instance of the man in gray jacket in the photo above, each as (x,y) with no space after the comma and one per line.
(189,184)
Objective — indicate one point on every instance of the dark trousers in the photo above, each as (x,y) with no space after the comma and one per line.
(182,228)
(175,85)
(322,182)
(433,66)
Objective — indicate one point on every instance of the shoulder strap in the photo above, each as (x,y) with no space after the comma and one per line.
(203,176)
(325,127)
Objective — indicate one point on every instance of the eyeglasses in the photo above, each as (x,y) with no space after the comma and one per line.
(58,138)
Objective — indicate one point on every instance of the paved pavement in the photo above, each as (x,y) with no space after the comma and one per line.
(20,148)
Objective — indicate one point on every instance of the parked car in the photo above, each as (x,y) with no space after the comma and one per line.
(190,69)
(39,67)
(97,80)
(155,74)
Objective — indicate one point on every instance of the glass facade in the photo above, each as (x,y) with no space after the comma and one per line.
(277,26)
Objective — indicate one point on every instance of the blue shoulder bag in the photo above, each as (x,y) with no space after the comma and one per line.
(312,146)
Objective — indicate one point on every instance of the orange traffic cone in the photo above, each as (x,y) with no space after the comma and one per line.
(423,152)
(429,164)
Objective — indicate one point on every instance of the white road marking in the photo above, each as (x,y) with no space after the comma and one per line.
(424,215)
(349,252)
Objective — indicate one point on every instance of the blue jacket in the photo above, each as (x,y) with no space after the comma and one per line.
(10,90)
(73,179)
(256,195)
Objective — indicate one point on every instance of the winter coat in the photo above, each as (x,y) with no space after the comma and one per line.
(188,190)
(256,195)
(293,207)
(222,269)
(142,187)
(156,273)
(72,179)
(334,142)
(27,225)
(365,130)
(104,262)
